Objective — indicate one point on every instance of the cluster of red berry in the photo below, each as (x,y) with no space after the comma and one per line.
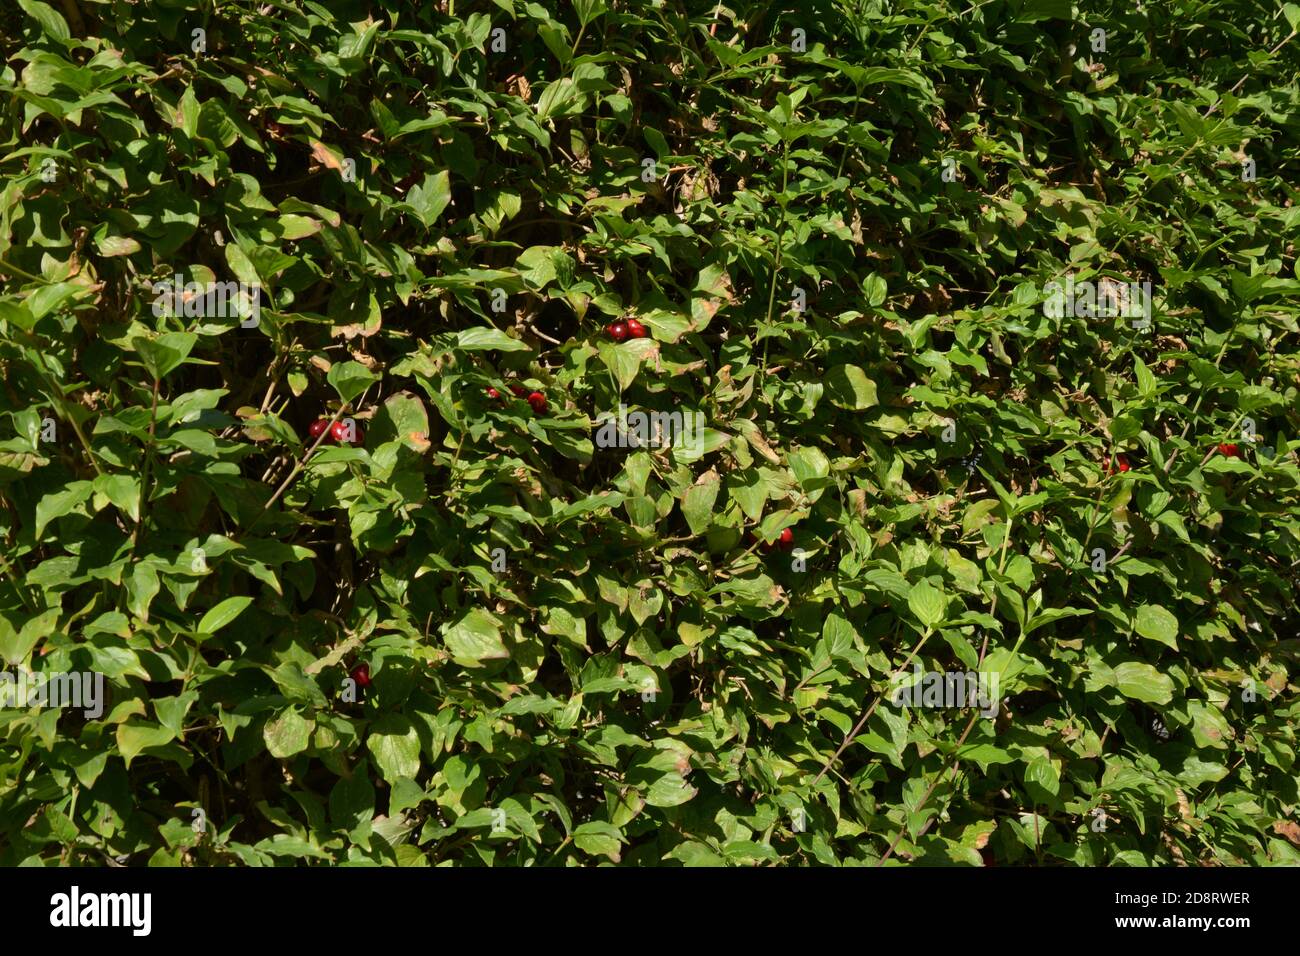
(619,331)
(338,432)
(536,400)
(1229,450)
(623,330)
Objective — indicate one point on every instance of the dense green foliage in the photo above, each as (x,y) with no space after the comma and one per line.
(839,222)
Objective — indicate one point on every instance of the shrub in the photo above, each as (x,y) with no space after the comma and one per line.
(877,251)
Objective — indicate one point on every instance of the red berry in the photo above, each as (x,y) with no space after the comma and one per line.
(1121,463)
(493,393)
(1230,450)
(784,541)
(538,401)
(347,432)
(361,674)
(519,390)
(636,330)
(318,427)
(618,331)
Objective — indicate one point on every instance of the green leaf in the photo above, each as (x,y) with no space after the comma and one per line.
(1155,623)
(1145,380)
(51,21)
(287,735)
(17,314)
(558,98)
(693,853)
(350,379)
(698,501)
(624,360)
(537,266)
(1041,772)
(132,739)
(187,113)
(1196,772)
(809,466)
(395,746)
(352,800)
(16,645)
(1210,727)
(484,337)
(430,197)
(587,11)
(51,298)
(164,353)
(848,387)
(296,685)
(242,266)
(408,419)
(669,790)
(475,637)
(928,603)
(985,755)
(598,838)
(56,504)
(876,290)
(122,491)
(1143,682)
(223,614)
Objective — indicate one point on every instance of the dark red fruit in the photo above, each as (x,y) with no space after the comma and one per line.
(538,401)
(318,427)
(340,431)
(1230,450)
(361,674)
(493,393)
(518,390)
(1120,464)
(784,541)
(636,330)
(618,331)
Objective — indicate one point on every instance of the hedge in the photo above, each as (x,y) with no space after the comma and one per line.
(649,432)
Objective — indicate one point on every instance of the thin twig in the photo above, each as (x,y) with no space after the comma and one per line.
(298,466)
